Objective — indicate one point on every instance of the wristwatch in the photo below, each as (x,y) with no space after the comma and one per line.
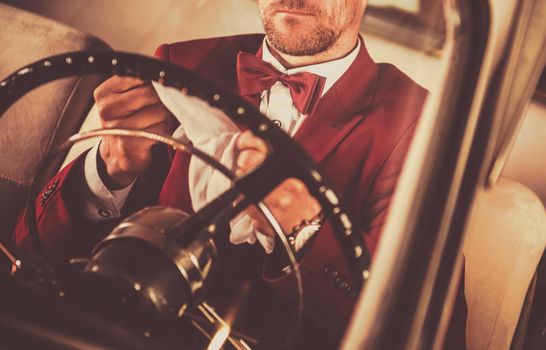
(302,232)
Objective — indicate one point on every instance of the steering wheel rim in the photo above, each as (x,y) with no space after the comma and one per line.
(282,146)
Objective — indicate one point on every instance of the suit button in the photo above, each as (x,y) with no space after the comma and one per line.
(351,293)
(330,272)
(53,186)
(48,192)
(277,123)
(105,213)
(341,282)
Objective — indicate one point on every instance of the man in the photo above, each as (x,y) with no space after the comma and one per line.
(357,128)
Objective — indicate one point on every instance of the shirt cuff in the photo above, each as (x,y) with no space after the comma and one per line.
(100,203)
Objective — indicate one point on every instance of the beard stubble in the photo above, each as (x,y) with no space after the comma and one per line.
(309,41)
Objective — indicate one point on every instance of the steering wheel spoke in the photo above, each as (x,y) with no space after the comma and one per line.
(213,217)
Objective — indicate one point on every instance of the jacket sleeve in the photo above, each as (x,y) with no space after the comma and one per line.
(61,232)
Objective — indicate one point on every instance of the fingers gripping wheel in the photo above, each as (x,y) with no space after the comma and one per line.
(188,243)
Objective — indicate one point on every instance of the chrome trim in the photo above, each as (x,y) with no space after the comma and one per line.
(193,262)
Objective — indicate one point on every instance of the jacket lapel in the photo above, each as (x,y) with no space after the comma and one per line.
(341,109)
(253,99)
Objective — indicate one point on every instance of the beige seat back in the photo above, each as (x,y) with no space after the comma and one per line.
(505,241)
(46,116)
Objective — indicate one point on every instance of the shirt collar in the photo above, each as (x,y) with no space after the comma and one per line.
(331,70)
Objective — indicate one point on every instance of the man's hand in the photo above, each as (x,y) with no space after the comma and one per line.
(290,202)
(125,102)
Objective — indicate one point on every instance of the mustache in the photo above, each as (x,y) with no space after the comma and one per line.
(295,5)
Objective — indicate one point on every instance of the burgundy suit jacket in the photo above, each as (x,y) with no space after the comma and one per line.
(359,134)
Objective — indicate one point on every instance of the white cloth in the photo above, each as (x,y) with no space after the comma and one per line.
(210,130)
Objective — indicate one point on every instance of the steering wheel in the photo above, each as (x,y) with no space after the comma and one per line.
(190,236)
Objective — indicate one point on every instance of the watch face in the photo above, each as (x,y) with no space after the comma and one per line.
(304,234)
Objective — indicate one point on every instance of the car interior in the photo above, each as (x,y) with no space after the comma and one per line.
(500,231)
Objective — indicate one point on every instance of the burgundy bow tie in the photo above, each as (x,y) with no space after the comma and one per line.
(255,76)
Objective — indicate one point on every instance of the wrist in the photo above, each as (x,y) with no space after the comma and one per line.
(111,179)
(302,232)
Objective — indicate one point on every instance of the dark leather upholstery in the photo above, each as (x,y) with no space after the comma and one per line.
(46,116)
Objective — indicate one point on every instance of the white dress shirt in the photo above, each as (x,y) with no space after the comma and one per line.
(215,134)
